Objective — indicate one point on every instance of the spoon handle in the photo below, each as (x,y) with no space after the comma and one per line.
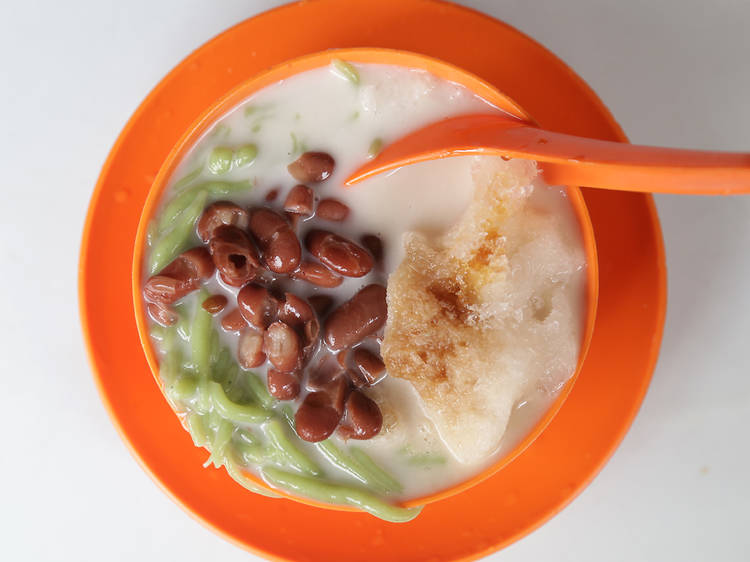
(570,160)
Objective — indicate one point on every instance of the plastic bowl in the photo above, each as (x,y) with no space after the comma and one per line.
(378,56)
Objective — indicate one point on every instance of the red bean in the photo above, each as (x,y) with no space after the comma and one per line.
(299,201)
(321,376)
(339,254)
(284,386)
(370,368)
(295,311)
(317,274)
(316,419)
(338,391)
(332,210)
(320,303)
(166,290)
(272,195)
(182,276)
(312,167)
(250,349)
(233,321)
(234,254)
(276,239)
(363,417)
(264,223)
(283,253)
(374,244)
(333,383)
(282,346)
(194,263)
(162,313)
(361,316)
(298,314)
(326,369)
(257,305)
(219,213)
(214,304)
(310,335)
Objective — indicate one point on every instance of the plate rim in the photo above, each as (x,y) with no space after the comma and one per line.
(100,188)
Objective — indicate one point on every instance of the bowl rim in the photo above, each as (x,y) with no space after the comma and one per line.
(396,57)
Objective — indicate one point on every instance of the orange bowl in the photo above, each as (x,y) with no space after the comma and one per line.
(378,56)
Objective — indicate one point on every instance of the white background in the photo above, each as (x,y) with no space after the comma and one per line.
(71,73)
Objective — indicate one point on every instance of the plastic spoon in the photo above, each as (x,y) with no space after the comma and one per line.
(569,160)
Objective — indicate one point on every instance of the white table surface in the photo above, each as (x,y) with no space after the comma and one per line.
(673,73)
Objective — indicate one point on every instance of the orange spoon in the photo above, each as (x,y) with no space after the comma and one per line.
(569,160)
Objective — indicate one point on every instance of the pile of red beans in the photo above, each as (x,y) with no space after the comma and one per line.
(257,248)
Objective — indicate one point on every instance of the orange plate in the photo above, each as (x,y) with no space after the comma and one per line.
(503,508)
